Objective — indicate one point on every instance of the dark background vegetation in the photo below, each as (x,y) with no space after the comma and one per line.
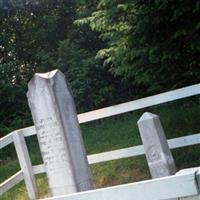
(110,51)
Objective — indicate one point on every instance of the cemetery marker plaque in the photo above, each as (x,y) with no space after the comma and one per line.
(58,133)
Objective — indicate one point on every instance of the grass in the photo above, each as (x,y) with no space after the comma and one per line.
(178,119)
(18,192)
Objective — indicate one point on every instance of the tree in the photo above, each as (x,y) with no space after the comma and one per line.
(29,38)
(41,37)
(153,44)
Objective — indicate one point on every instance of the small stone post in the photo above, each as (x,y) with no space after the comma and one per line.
(58,132)
(158,154)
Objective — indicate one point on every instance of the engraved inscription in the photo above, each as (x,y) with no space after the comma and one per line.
(52,144)
(153,154)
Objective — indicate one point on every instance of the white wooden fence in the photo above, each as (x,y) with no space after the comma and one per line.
(182,185)
(112,193)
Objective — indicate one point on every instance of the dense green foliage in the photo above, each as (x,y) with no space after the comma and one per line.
(39,38)
(29,39)
(110,51)
(151,43)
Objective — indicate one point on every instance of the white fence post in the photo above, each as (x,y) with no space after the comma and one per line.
(25,164)
(158,154)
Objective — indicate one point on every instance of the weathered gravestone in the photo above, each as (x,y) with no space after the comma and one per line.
(158,154)
(58,133)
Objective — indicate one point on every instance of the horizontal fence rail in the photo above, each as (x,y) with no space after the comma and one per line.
(177,186)
(12,181)
(6,140)
(139,150)
(140,103)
